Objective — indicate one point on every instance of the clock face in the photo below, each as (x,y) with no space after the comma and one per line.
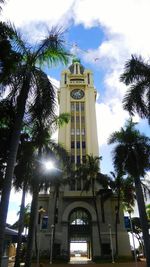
(77,93)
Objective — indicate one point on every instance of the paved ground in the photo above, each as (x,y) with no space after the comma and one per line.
(126,264)
(90,264)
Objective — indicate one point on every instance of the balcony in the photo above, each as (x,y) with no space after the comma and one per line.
(76,81)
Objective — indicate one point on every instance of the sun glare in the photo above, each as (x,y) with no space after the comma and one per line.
(49,165)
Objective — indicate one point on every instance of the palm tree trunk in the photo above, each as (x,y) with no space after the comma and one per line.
(116,223)
(11,163)
(20,230)
(36,242)
(96,210)
(54,223)
(32,224)
(143,218)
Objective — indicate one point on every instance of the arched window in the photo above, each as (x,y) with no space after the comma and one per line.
(79,217)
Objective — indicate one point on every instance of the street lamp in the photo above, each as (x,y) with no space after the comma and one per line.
(111,243)
(134,249)
(51,243)
(41,211)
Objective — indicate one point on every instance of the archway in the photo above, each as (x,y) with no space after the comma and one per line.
(80,235)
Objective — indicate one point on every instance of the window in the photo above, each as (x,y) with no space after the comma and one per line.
(79,217)
(78,144)
(44,223)
(76,69)
(78,131)
(72,107)
(83,144)
(65,78)
(72,131)
(72,118)
(83,131)
(82,106)
(72,144)
(78,159)
(88,78)
(77,106)
(77,119)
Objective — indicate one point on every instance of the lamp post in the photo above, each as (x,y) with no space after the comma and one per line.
(41,211)
(134,249)
(51,243)
(111,243)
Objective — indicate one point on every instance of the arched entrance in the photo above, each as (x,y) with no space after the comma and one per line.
(80,235)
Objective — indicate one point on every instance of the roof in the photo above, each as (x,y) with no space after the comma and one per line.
(9,231)
(13,235)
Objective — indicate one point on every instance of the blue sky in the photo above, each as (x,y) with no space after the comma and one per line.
(103,34)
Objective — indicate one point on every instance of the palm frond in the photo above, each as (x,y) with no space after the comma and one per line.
(135,70)
(134,99)
(137,98)
(52,49)
(43,97)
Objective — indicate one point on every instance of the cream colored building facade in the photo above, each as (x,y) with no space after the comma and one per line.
(75,217)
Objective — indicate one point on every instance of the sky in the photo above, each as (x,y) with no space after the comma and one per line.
(103,34)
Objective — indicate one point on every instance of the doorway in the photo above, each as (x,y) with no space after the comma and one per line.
(80,235)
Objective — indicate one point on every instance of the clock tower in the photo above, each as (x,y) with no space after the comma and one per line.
(73,222)
(77,96)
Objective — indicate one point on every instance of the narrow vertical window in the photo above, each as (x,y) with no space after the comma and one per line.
(78,131)
(44,222)
(77,119)
(83,131)
(77,106)
(83,144)
(76,69)
(78,144)
(72,144)
(88,76)
(72,118)
(72,131)
(78,159)
(82,106)
(72,107)
(65,79)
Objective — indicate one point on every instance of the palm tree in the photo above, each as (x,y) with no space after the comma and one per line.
(23,176)
(131,155)
(26,80)
(7,111)
(123,189)
(46,148)
(88,172)
(137,76)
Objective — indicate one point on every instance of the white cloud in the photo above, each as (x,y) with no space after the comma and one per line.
(35,17)
(25,12)
(109,119)
(125,24)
